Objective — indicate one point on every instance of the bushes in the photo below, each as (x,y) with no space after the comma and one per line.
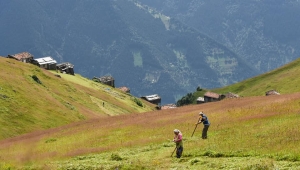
(191,98)
(186,100)
(36,79)
(115,157)
(138,102)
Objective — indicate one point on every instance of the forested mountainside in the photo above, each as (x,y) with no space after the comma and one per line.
(142,49)
(264,33)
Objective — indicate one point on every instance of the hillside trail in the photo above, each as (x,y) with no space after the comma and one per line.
(104,106)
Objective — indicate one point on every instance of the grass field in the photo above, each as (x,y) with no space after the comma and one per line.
(284,80)
(249,133)
(27,105)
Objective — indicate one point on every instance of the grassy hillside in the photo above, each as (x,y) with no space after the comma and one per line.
(26,105)
(258,132)
(246,133)
(285,80)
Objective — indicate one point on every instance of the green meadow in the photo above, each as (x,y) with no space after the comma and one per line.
(249,133)
(285,80)
(28,105)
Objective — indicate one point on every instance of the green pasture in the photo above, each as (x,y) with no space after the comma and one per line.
(248,133)
(28,104)
(284,80)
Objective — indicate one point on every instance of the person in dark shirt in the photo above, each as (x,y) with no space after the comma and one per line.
(203,119)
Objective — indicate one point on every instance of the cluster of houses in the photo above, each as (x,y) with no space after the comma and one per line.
(45,62)
(109,80)
(212,97)
(50,64)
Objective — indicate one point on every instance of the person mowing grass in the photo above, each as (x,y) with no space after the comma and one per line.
(203,119)
(178,140)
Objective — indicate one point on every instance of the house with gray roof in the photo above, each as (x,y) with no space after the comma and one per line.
(46,62)
(155,99)
(108,80)
(272,92)
(66,68)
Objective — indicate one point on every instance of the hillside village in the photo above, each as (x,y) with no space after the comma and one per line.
(56,98)
(49,63)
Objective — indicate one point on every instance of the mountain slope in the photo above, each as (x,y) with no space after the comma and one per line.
(265,33)
(284,80)
(26,105)
(144,50)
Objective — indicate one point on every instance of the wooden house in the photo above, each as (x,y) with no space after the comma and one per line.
(231,95)
(108,80)
(155,99)
(168,106)
(211,97)
(66,67)
(272,92)
(25,57)
(125,89)
(46,62)
(200,100)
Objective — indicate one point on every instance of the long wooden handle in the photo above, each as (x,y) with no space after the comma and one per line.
(196,125)
(174,151)
(194,130)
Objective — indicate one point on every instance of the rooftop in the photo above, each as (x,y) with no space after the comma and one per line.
(45,60)
(22,55)
(212,95)
(66,64)
(152,97)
